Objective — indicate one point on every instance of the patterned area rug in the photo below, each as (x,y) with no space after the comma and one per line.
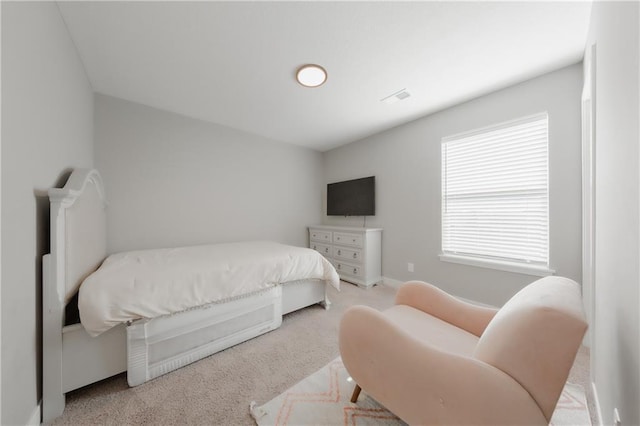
(323,399)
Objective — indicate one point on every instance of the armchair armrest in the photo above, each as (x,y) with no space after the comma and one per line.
(423,385)
(435,302)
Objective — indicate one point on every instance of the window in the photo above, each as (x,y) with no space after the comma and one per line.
(495,196)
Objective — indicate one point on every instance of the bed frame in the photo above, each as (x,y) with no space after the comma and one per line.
(145,348)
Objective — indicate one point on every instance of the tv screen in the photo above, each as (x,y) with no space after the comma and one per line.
(355,197)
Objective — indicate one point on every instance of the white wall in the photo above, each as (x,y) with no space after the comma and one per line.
(171,180)
(406,163)
(616,349)
(47,128)
(0,232)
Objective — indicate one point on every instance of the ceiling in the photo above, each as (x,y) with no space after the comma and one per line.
(234,63)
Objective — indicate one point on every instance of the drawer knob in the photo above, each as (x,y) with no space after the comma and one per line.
(339,252)
(355,271)
(326,250)
(355,255)
(339,265)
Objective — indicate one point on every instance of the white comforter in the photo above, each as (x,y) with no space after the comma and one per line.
(151,283)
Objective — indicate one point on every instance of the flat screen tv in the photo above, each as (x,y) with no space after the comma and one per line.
(355,197)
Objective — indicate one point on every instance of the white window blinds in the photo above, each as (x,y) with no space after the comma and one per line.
(495,198)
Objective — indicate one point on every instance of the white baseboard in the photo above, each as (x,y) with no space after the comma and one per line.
(393,283)
(34,420)
(475,302)
(596,402)
(390,282)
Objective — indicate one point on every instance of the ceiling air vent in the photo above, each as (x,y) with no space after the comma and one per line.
(395,97)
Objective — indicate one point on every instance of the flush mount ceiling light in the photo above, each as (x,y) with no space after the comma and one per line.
(311,75)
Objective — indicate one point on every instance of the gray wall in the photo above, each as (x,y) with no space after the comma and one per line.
(616,348)
(172,180)
(47,128)
(406,163)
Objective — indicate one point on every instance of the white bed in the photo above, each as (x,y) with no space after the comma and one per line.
(145,348)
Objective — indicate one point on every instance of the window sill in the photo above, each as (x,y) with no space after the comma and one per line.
(540,271)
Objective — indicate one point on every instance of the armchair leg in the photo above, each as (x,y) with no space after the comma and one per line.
(356,393)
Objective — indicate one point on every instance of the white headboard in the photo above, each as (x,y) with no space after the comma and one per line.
(78,247)
(78,230)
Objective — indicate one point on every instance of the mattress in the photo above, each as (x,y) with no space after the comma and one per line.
(147,284)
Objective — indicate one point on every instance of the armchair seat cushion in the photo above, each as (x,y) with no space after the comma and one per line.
(432,331)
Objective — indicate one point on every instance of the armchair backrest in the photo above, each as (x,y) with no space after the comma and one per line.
(535,337)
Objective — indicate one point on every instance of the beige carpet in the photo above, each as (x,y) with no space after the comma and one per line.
(324,399)
(217,389)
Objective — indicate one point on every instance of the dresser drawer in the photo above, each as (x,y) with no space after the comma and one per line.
(348,254)
(348,239)
(348,269)
(323,249)
(324,236)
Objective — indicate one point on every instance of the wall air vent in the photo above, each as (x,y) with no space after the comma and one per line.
(395,97)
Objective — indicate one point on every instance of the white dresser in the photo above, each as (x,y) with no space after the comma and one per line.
(356,253)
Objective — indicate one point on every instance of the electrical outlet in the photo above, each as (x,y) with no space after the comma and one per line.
(410,267)
(616,418)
